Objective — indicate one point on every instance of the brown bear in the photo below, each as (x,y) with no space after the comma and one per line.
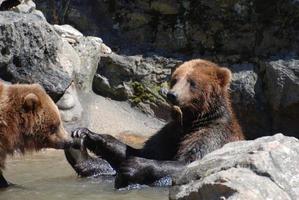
(29,120)
(202,121)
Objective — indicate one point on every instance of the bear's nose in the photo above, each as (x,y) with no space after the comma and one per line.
(172,97)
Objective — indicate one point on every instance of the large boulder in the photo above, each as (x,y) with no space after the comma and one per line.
(281,83)
(90,51)
(266,168)
(249,100)
(137,79)
(31,51)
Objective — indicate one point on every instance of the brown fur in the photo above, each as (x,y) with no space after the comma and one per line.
(202,122)
(208,118)
(29,120)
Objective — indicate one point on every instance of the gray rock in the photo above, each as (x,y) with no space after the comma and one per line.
(67,31)
(29,52)
(90,53)
(242,27)
(243,82)
(26,6)
(39,13)
(119,68)
(119,92)
(281,87)
(118,118)
(69,106)
(248,100)
(282,82)
(135,78)
(266,168)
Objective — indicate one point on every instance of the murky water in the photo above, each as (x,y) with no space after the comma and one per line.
(46,176)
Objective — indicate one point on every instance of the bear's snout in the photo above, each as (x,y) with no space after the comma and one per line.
(60,140)
(172,97)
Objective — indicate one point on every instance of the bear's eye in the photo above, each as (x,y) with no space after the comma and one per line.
(53,129)
(173,82)
(192,83)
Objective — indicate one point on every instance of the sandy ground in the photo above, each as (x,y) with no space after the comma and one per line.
(103,115)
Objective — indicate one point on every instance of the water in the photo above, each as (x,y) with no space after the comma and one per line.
(46,176)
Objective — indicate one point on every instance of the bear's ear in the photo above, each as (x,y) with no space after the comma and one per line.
(31,102)
(224,76)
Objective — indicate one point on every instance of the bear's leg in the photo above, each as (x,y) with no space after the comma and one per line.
(138,170)
(86,165)
(3,182)
(105,146)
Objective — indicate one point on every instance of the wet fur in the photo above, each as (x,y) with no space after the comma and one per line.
(27,124)
(203,123)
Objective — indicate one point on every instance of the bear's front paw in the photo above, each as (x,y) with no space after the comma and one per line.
(80,132)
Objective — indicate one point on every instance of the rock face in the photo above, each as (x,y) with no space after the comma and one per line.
(137,79)
(282,92)
(90,51)
(70,106)
(266,168)
(30,51)
(249,101)
(246,27)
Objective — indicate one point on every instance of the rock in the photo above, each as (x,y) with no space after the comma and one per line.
(68,32)
(118,118)
(248,100)
(266,168)
(90,53)
(30,52)
(69,106)
(105,49)
(119,92)
(136,79)
(243,82)
(244,27)
(26,6)
(281,82)
(39,13)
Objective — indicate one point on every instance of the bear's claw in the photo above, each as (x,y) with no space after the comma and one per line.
(80,133)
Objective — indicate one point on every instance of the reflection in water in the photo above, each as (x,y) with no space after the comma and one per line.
(47,176)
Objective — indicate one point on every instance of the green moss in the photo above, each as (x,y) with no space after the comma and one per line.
(146,92)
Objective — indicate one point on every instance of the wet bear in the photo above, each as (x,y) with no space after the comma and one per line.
(29,121)
(202,121)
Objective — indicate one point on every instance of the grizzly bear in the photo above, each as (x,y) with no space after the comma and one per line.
(202,121)
(29,121)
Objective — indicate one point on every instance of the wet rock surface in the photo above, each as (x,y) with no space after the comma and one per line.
(265,168)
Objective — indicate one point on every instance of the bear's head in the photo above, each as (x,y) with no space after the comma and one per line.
(33,121)
(199,86)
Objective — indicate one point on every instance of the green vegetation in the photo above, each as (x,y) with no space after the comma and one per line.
(143,92)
